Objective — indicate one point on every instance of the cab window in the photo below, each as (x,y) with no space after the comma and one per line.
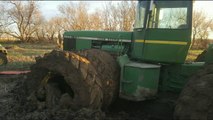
(168,16)
(141,14)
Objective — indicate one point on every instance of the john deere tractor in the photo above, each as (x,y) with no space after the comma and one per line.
(96,67)
(3,55)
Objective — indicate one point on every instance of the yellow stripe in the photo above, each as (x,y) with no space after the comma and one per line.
(139,41)
(163,42)
(166,42)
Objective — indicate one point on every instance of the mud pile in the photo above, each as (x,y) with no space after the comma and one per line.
(72,86)
(15,105)
(66,85)
(196,99)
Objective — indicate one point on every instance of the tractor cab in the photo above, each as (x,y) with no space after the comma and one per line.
(162,31)
(161,38)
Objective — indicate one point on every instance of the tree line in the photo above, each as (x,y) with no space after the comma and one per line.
(24,21)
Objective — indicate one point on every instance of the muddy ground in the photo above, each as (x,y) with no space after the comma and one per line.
(14,105)
(22,99)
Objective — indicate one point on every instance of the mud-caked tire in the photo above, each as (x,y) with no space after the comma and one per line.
(196,99)
(108,71)
(3,59)
(83,79)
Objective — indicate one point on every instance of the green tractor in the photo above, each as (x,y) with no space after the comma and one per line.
(3,56)
(96,67)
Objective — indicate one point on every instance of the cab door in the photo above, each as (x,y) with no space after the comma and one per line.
(139,29)
(167,38)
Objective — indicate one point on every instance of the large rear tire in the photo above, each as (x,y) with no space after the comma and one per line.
(108,71)
(84,79)
(196,99)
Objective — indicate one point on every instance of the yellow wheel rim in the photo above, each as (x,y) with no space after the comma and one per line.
(1,61)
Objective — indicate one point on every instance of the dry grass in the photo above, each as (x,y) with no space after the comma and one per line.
(22,55)
(192,55)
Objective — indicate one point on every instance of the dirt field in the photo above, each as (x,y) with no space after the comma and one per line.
(15,103)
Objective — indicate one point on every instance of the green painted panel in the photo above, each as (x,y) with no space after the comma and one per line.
(188,69)
(112,41)
(150,79)
(131,76)
(83,44)
(122,60)
(66,45)
(165,53)
(137,50)
(147,78)
(112,48)
(140,80)
(167,45)
(100,34)
(137,47)
(174,77)
(209,54)
(168,34)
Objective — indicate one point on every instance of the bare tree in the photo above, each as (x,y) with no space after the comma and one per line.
(54,30)
(40,33)
(95,21)
(126,10)
(3,18)
(119,16)
(200,29)
(25,19)
(51,31)
(112,16)
(75,16)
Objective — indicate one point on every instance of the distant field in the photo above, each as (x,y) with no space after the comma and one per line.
(22,55)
